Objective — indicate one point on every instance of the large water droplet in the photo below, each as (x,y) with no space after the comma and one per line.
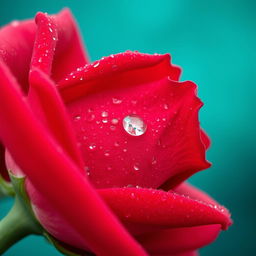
(134,125)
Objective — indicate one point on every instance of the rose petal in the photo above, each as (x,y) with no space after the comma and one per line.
(17,53)
(70,50)
(60,32)
(140,84)
(56,177)
(73,86)
(179,240)
(205,139)
(48,106)
(45,43)
(192,253)
(187,189)
(159,208)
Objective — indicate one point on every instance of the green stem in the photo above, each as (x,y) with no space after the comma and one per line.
(14,226)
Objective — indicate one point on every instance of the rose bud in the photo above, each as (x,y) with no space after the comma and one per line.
(104,148)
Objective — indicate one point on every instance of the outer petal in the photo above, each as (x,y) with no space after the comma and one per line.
(99,96)
(179,240)
(192,253)
(16,45)
(58,170)
(158,208)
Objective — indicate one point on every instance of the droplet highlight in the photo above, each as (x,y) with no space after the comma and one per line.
(134,125)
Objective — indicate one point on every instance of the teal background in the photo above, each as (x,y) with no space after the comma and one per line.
(214,42)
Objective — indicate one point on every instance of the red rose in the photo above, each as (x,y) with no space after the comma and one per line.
(124,125)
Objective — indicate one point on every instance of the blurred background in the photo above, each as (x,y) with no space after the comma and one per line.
(214,42)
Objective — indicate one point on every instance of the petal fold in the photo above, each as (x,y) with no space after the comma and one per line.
(58,37)
(48,106)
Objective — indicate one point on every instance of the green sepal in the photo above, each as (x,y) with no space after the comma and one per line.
(18,184)
(66,250)
(6,188)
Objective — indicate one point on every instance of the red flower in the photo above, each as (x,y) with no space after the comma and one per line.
(74,126)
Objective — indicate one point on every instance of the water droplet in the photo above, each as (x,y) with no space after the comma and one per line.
(106,153)
(114,121)
(81,78)
(96,64)
(125,149)
(114,67)
(15,23)
(40,59)
(116,101)
(77,118)
(104,114)
(104,121)
(166,106)
(134,125)
(92,146)
(154,160)
(136,167)
(112,128)
(50,29)
(116,144)
(54,38)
